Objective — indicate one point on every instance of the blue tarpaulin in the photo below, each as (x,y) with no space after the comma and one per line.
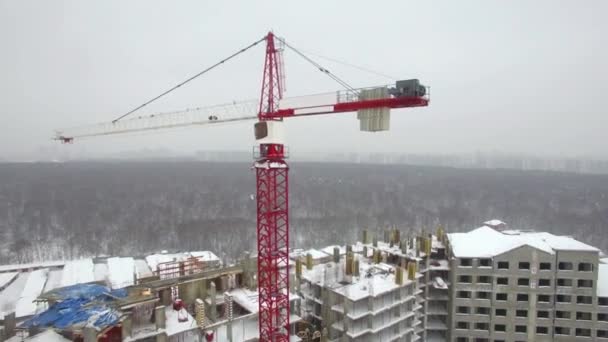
(87,291)
(82,303)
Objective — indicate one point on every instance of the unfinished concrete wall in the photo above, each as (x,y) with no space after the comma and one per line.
(90,334)
(159,315)
(126,327)
(10,322)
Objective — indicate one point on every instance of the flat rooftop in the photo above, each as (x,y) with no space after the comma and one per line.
(373,279)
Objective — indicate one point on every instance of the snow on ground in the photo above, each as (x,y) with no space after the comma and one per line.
(77,272)
(100,272)
(6,278)
(54,280)
(142,269)
(174,326)
(32,289)
(121,272)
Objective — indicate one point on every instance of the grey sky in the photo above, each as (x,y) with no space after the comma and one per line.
(512,76)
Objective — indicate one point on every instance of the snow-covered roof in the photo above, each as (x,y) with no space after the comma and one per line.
(19,267)
(142,270)
(32,289)
(315,253)
(78,272)
(395,250)
(486,242)
(329,250)
(205,256)
(10,295)
(154,260)
(6,278)
(101,272)
(602,280)
(494,223)
(373,279)
(356,248)
(120,272)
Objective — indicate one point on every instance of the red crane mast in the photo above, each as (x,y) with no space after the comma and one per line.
(272,193)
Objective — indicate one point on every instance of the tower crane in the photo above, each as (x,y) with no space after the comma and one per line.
(372,105)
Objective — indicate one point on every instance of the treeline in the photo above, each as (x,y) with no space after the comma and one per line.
(63,211)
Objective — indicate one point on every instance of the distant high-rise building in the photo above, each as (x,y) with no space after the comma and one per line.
(512,285)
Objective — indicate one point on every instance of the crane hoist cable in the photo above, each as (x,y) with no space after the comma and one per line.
(190,79)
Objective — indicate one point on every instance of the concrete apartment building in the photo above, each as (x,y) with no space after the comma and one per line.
(389,290)
(511,286)
(356,298)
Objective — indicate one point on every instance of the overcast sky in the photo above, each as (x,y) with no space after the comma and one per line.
(524,77)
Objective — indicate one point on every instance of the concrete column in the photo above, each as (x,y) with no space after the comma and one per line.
(347,308)
(165,297)
(324,334)
(200,312)
(229,331)
(192,293)
(90,334)
(202,289)
(159,314)
(187,293)
(336,254)
(298,290)
(9,325)
(162,337)
(127,326)
(212,312)
(246,270)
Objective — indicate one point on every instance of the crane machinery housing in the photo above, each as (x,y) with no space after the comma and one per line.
(372,104)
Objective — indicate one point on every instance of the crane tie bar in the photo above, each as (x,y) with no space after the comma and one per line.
(190,79)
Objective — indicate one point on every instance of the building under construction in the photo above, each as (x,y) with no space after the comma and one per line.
(489,284)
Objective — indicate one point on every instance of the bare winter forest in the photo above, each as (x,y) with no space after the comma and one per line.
(67,210)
